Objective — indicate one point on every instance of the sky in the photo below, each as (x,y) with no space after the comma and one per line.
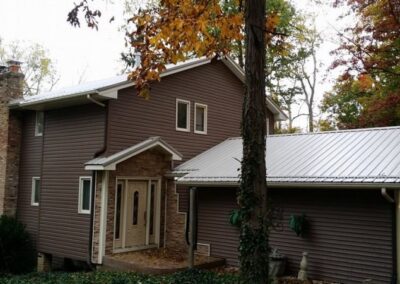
(83,54)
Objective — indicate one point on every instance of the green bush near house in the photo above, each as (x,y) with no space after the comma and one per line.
(185,277)
(17,254)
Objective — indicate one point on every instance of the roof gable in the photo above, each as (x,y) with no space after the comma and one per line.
(110,162)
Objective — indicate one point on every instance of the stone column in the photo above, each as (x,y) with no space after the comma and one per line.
(11,88)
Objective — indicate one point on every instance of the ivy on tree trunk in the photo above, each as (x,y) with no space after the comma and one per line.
(253,188)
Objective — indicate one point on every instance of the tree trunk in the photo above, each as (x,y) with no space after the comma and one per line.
(310,119)
(253,189)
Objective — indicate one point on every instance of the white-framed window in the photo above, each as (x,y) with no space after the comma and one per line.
(182,115)
(35,191)
(85,195)
(39,123)
(200,118)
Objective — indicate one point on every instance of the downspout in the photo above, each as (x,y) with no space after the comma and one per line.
(99,152)
(395,230)
(90,98)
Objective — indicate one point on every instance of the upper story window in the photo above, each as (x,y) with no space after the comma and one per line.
(200,118)
(85,194)
(182,115)
(39,123)
(35,191)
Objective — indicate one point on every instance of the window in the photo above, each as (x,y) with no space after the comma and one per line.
(135,208)
(200,119)
(182,115)
(35,191)
(39,123)
(85,194)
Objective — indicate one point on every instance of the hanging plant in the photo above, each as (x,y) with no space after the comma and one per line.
(298,224)
(235,218)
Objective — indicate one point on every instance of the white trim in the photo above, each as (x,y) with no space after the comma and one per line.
(208,249)
(103,217)
(205,107)
(37,133)
(80,197)
(94,217)
(158,209)
(148,205)
(187,129)
(34,179)
(110,163)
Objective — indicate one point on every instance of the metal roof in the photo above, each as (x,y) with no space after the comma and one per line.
(108,89)
(110,162)
(362,156)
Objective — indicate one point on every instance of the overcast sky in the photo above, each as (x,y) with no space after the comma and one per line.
(82,52)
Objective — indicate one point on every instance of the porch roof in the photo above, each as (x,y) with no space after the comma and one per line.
(110,162)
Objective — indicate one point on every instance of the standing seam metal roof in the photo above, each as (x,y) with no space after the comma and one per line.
(348,156)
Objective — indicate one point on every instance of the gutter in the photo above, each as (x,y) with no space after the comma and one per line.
(294,185)
(99,152)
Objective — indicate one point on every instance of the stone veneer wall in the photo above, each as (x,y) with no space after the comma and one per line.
(151,163)
(176,222)
(10,140)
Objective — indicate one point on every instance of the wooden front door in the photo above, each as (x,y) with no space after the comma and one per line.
(136,210)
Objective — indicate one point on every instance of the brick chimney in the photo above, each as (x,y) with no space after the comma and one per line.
(11,88)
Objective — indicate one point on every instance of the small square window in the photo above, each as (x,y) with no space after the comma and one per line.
(182,115)
(35,191)
(85,194)
(200,119)
(39,123)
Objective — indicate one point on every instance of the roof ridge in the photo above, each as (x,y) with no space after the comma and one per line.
(328,132)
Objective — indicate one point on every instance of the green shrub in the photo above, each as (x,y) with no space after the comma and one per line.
(188,276)
(195,276)
(17,254)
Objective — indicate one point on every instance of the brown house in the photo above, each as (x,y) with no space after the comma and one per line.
(94,171)
(90,176)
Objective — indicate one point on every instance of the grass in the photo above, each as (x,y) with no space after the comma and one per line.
(185,277)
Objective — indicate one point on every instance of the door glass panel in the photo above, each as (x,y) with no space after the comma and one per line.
(118,212)
(135,208)
(152,200)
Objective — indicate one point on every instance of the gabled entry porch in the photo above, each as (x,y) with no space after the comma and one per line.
(130,198)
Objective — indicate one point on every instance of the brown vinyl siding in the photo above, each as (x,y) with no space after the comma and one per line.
(349,238)
(30,166)
(134,119)
(71,137)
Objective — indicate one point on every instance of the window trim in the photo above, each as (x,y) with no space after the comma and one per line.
(34,179)
(187,129)
(205,107)
(80,197)
(37,133)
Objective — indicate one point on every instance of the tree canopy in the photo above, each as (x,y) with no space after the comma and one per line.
(367,93)
(37,66)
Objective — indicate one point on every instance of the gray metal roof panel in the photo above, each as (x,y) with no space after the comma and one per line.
(350,156)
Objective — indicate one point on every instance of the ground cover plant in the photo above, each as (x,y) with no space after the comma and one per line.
(189,276)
